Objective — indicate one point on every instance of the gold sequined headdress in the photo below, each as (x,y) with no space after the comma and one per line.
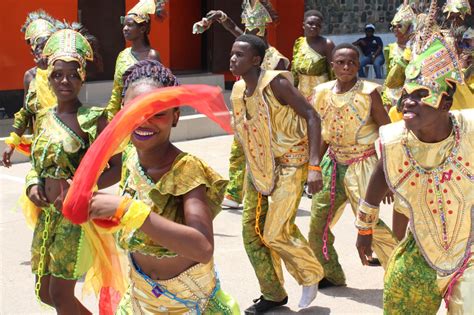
(144,8)
(38,24)
(256,17)
(69,45)
(406,18)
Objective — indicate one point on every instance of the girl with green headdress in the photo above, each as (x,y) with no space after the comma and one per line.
(38,28)
(61,253)
(136,27)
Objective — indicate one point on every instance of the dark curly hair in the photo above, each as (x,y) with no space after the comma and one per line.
(148,70)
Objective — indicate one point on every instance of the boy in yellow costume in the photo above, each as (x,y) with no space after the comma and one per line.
(256,15)
(427,162)
(274,124)
(351,111)
(38,95)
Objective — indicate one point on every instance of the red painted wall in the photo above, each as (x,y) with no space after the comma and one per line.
(289,28)
(15,56)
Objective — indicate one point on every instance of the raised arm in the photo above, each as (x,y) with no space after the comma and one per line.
(225,21)
(287,94)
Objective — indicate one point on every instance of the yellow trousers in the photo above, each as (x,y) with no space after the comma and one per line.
(279,239)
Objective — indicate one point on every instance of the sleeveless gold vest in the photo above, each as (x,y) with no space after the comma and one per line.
(346,123)
(440,197)
(270,133)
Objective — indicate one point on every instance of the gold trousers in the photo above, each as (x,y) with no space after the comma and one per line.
(281,239)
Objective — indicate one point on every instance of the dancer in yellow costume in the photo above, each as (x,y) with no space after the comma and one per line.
(403,25)
(274,124)
(175,198)
(311,64)
(256,15)
(351,112)
(136,27)
(61,253)
(427,162)
(38,95)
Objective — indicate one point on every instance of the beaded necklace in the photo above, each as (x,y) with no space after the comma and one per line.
(144,175)
(436,172)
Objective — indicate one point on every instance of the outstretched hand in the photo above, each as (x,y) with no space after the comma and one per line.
(7,153)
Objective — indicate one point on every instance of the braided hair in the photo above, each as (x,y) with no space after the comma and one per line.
(148,71)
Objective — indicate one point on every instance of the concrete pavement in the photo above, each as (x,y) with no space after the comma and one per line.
(363,294)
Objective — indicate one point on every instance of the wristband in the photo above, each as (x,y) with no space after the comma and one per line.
(367,216)
(135,216)
(223,18)
(126,201)
(13,140)
(316,168)
(365,232)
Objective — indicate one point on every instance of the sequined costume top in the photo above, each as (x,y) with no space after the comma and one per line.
(38,97)
(57,150)
(346,121)
(124,61)
(436,181)
(165,197)
(270,133)
(309,67)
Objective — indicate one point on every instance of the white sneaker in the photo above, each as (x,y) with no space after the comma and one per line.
(308,295)
(231,204)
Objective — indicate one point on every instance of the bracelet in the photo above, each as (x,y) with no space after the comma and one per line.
(13,140)
(136,215)
(121,209)
(316,168)
(365,232)
(367,216)
(223,18)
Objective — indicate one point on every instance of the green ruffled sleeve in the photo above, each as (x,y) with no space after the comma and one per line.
(23,116)
(189,173)
(21,119)
(32,178)
(88,118)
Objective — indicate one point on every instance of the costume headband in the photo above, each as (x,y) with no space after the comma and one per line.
(405,17)
(141,12)
(68,45)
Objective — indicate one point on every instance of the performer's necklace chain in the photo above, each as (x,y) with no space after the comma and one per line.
(437,172)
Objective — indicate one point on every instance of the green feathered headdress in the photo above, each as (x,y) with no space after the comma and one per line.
(38,24)
(69,45)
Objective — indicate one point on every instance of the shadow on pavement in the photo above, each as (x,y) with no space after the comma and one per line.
(366,296)
(303,213)
(286,310)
